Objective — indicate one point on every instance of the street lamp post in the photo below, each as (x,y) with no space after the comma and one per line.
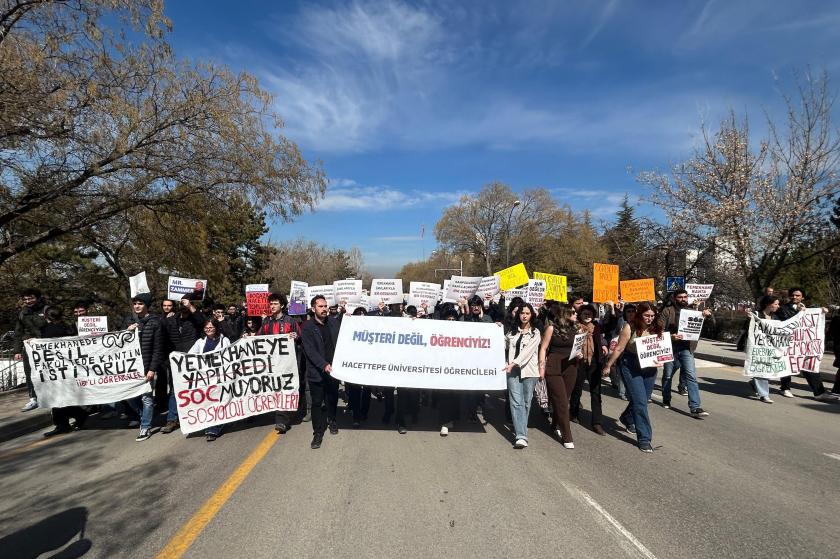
(507,229)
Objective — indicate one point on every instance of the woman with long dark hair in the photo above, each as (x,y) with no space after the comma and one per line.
(768,308)
(213,339)
(521,345)
(590,361)
(559,371)
(639,381)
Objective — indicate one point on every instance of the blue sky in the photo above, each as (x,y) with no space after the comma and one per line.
(411,104)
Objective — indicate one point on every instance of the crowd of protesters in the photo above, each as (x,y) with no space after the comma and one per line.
(538,365)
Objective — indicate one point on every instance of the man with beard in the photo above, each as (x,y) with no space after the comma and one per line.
(182,330)
(319,337)
(683,355)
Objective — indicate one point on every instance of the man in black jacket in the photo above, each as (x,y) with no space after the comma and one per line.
(30,324)
(151,350)
(319,337)
(181,330)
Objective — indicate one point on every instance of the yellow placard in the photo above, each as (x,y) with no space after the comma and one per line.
(512,277)
(635,291)
(605,283)
(555,286)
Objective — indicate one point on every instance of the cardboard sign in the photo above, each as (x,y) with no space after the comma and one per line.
(92,325)
(421,292)
(328,291)
(577,346)
(348,291)
(256,299)
(698,292)
(512,277)
(87,370)
(654,351)
(556,288)
(462,287)
(298,304)
(604,283)
(383,351)
(178,288)
(389,291)
(690,324)
(673,283)
(636,291)
(255,375)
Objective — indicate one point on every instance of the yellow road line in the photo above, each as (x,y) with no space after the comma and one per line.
(30,446)
(184,538)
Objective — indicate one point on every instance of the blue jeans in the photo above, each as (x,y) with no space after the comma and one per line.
(521,391)
(639,388)
(761,386)
(684,361)
(172,412)
(147,403)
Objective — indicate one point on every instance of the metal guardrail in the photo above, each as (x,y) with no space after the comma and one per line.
(8,366)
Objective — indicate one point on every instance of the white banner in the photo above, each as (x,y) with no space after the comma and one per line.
(348,291)
(328,291)
(389,291)
(177,288)
(138,284)
(654,350)
(420,292)
(577,345)
(402,352)
(767,347)
(690,324)
(462,287)
(253,376)
(535,293)
(87,370)
(91,325)
(698,291)
(805,351)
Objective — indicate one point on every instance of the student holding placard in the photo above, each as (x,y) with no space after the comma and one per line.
(639,380)
(559,371)
(591,357)
(683,354)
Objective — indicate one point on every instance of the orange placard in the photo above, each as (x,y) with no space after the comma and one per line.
(605,283)
(635,291)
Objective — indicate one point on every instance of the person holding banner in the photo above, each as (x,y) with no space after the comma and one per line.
(213,339)
(683,355)
(639,380)
(151,349)
(281,323)
(521,347)
(589,367)
(768,307)
(559,371)
(181,330)
(448,401)
(319,337)
(55,328)
(472,310)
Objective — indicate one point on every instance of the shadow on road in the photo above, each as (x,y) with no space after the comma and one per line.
(50,534)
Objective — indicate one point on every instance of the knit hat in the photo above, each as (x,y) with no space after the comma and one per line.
(145,298)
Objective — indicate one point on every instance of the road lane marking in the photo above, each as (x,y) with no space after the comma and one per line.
(832,455)
(184,538)
(29,446)
(584,497)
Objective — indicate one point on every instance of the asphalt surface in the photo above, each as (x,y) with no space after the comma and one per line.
(752,480)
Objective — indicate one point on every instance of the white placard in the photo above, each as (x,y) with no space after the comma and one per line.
(298,304)
(87,370)
(177,288)
(655,350)
(698,291)
(91,325)
(328,291)
(690,324)
(348,291)
(445,289)
(255,375)
(138,284)
(462,287)
(389,291)
(488,288)
(535,293)
(577,345)
(401,352)
(420,292)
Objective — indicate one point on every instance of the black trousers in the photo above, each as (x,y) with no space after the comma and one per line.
(61,416)
(359,400)
(408,404)
(28,373)
(449,406)
(289,417)
(324,392)
(813,380)
(592,374)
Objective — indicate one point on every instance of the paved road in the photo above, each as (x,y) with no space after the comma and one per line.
(752,480)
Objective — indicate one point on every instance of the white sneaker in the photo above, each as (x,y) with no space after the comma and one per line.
(30,405)
(827,397)
(520,443)
(787,393)
(569,445)
(444,431)
(144,434)
(766,399)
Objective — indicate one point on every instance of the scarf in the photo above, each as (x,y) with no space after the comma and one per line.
(588,349)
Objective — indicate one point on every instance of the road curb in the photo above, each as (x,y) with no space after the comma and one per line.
(738,362)
(29,422)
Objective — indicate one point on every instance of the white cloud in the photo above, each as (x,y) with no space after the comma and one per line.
(381,198)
